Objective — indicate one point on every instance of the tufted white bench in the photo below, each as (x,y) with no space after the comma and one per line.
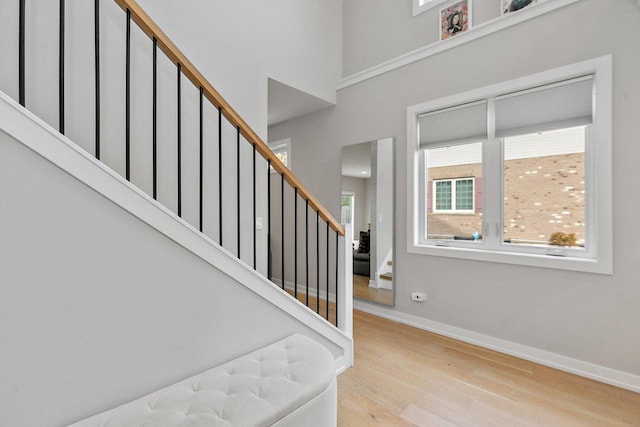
(289,383)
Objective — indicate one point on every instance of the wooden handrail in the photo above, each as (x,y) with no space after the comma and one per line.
(146,24)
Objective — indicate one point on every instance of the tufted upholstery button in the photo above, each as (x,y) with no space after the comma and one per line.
(256,389)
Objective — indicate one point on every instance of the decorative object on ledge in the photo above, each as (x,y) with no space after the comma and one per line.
(478,31)
(509,6)
(455,19)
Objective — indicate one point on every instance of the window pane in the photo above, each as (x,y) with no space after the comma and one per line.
(443,195)
(544,188)
(282,156)
(464,195)
(454,192)
(345,211)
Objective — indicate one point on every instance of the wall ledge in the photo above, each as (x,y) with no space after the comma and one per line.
(476,32)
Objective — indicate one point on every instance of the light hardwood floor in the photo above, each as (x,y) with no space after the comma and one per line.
(361,289)
(405,376)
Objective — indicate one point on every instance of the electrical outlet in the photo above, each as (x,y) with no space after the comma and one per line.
(418,296)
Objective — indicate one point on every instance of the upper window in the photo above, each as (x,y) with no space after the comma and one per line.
(518,172)
(282,150)
(420,6)
(347,208)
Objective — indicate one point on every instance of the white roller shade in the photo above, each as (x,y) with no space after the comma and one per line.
(457,124)
(556,106)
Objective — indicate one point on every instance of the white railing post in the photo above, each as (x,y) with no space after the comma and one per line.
(345,288)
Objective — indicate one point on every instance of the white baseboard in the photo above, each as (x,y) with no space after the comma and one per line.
(574,366)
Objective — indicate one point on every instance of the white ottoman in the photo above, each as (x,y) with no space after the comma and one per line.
(289,383)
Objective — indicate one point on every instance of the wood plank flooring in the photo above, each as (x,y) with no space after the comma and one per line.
(405,376)
(362,290)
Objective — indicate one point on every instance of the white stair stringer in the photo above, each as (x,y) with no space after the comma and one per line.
(47,142)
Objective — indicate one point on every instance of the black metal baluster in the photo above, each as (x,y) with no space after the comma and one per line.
(327,299)
(201,156)
(318,262)
(238,184)
(128,101)
(179,139)
(282,225)
(21,54)
(269,220)
(220,175)
(306,232)
(295,243)
(155,118)
(61,66)
(96,39)
(254,207)
(337,261)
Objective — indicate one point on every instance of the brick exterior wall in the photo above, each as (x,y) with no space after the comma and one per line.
(542,195)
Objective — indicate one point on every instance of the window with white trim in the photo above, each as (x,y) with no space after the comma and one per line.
(282,150)
(347,207)
(518,172)
(452,195)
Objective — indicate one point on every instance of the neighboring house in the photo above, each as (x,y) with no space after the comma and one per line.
(544,190)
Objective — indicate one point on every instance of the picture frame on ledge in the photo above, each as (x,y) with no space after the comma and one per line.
(455,19)
(510,6)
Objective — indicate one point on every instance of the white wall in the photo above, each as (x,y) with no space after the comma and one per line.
(384,201)
(589,317)
(236,45)
(69,254)
(379,30)
(239,44)
(98,308)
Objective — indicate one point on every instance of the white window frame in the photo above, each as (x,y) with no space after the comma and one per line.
(283,145)
(352,195)
(420,6)
(454,209)
(598,164)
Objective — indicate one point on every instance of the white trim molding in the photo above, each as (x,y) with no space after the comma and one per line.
(557,361)
(473,33)
(31,131)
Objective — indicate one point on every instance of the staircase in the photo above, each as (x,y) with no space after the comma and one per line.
(385,273)
(131,190)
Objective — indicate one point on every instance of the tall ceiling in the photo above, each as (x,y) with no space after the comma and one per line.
(356,160)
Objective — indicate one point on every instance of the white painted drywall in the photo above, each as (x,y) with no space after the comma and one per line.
(236,45)
(379,30)
(239,44)
(589,317)
(42,99)
(98,308)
